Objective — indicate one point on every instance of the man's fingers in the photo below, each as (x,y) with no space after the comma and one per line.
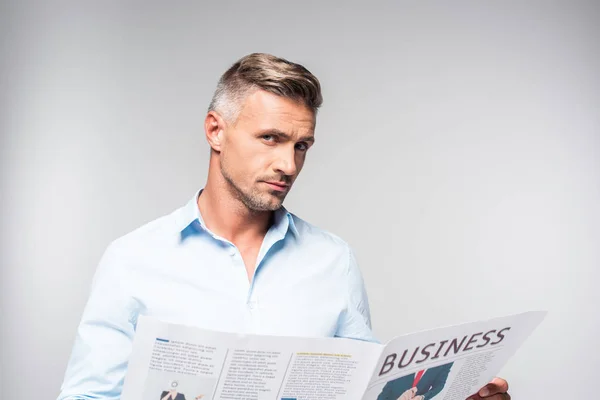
(501,383)
(496,386)
(499,396)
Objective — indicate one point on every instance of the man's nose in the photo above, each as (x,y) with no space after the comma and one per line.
(286,162)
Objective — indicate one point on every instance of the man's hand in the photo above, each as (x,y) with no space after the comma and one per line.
(497,389)
(408,395)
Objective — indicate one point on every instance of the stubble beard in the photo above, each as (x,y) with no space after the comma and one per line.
(254,200)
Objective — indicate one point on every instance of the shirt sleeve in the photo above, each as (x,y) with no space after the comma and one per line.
(439,383)
(355,321)
(98,361)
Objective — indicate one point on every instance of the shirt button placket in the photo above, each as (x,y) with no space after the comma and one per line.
(239,272)
(254,315)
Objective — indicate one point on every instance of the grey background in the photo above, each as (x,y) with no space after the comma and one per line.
(458,152)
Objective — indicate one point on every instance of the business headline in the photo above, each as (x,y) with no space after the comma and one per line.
(442,349)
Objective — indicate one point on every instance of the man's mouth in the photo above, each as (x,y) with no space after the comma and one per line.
(279,186)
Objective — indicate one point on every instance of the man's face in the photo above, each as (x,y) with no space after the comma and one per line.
(263,152)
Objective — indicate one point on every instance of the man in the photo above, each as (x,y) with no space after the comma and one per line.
(422,385)
(172,393)
(233,258)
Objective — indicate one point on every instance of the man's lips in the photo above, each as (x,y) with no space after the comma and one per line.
(280,186)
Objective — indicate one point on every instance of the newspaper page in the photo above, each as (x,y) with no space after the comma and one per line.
(176,362)
(449,363)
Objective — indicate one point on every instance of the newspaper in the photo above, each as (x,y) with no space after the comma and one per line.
(177,362)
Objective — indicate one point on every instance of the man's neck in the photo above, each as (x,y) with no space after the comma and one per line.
(229,218)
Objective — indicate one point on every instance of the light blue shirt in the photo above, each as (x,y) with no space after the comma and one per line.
(307,283)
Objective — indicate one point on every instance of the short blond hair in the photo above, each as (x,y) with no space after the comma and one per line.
(261,71)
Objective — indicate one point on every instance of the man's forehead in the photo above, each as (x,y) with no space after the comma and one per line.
(281,113)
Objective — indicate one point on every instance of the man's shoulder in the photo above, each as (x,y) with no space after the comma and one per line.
(159,231)
(309,232)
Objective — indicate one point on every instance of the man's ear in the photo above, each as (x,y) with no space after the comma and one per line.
(214,127)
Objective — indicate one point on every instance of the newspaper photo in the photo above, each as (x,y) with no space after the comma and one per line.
(177,362)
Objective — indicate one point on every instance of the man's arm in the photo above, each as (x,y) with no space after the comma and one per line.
(99,357)
(439,382)
(387,393)
(355,322)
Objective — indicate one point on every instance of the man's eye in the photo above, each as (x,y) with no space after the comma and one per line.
(268,138)
(302,146)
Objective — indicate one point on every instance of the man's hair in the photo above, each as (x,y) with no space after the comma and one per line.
(260,71)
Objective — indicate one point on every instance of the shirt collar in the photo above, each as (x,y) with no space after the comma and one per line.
(190,222)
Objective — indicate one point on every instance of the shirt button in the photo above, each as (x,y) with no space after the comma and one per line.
(252,305)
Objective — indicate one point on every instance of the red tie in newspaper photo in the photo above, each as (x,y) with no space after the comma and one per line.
(418,377)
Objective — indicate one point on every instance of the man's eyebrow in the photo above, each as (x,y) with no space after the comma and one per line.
(277,132)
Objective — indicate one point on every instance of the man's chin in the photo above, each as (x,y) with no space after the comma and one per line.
(275,201)
(266,202)
(274,205)
(265,208)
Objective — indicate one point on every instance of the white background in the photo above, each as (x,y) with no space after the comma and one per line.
(458,152)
